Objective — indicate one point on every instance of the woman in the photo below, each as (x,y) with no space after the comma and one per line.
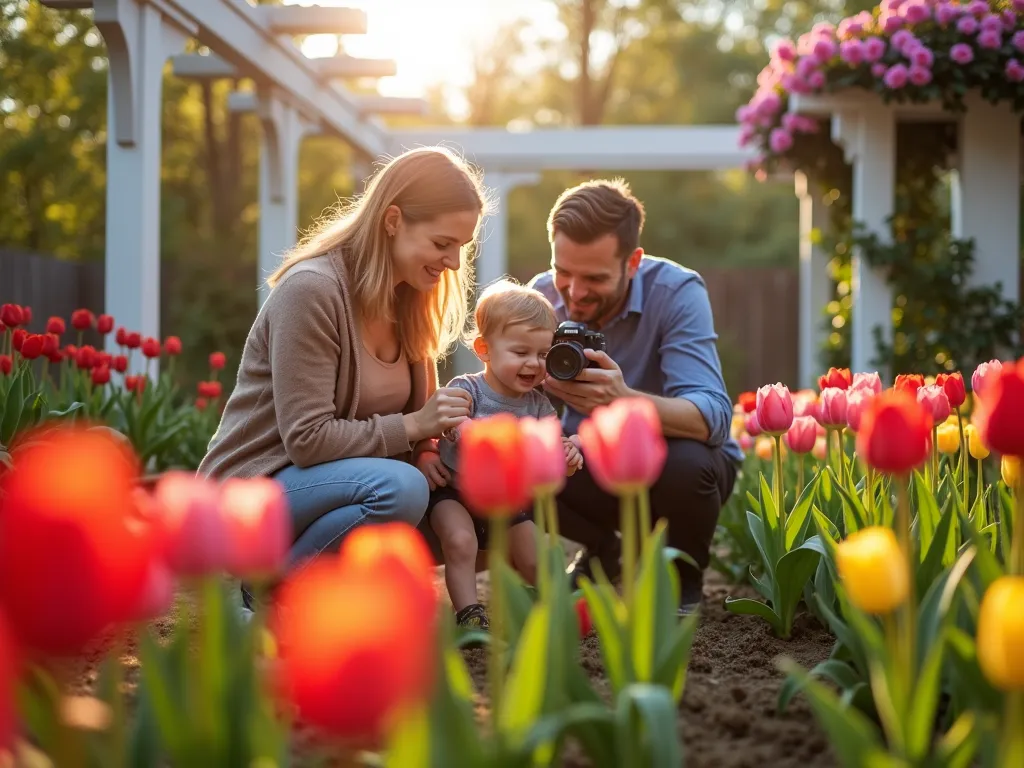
(337,387)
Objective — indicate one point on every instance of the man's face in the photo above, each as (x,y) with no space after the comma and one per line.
(593,279)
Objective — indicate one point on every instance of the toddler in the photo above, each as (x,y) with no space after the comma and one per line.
(515,326)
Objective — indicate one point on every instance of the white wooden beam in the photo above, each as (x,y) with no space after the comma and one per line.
(390,105)
(311,20)
(202,67)
(350,66)
(815,284)
(853,101)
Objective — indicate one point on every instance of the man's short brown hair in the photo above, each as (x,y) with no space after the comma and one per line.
(596,208)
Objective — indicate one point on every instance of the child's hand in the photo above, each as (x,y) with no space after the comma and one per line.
(573,455)
(437,474)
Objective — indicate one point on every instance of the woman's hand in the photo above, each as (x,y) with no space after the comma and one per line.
(447,407)
(573,455)
(437,474)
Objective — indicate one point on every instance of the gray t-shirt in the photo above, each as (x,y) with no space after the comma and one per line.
(487,402)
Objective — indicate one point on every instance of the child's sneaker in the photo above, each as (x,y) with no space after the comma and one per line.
(473,617)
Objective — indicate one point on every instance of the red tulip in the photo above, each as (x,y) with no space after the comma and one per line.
(624,445)
(104,324)
(909,382)
(12,315)
(748,400)
(8,682)
(51,346)
(3,328)
(774,409)
(26,313)
(151,347)
(18,338)
(82,319)
(832,407)
(586,624)
(933,399)
(983,374)
(172,345)
(73,551)
(190,518)
(121,337)
(6,364)
(492,473)
(353,649)
(871,382)
(801,436)
(119,363)
(393,547)
(32,346)
(209,389)
(201,403)
(895,432)
(218,360)
(100,376)
(1000,415)
(258,526)
(857,401)
(953,385)
(544,454)
(839,378)
(133,340)
(751,425)
(85,357)
(55,325)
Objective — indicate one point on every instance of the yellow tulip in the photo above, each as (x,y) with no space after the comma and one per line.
(948,438)
(1001,633)
(764,448)
(739,424)
(873,570)
(974,444)
(1009,468)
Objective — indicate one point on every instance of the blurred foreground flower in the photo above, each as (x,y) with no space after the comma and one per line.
(624,446)
(492,470)
(8,679)
(1001,633)
(1009,470)
(194,533)
(1000,411)
(353,649)
(894,433)
(257,524)
(873,570)
(74,552)
(544,455)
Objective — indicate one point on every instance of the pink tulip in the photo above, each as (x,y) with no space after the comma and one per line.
(544,454)
(258,526)
(624,445)
(802,435)
(935,401)
(774,408)
(833,407)
(751,425)
(856,404)
(158,594)
(983,374)
(192,524)
(870,382)
(746,442)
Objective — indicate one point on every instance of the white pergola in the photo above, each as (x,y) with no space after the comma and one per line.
(295,97)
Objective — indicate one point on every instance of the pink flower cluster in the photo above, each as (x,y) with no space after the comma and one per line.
(901,44)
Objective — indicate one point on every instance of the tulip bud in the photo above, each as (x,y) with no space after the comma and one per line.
(832,407)
(873,570)
(544,454)
(1009,469)
(586,625)
(624,445)
(32,346)
(764,448)
(190,517)
(258,526)
(55,325)
(933,398)
(948,441)
(104,324)
(908,382)
(753,428)
(953,385)
(838,378)
(6,364)
(217,360)
(802,435)
(491,468)
(774,409)
(82,319)
(172,345)
(999,414)
(974,444)
(151,347)
(1001,633)
(983,374)
(894,433)
(748,401)
(869,382)
(857,400)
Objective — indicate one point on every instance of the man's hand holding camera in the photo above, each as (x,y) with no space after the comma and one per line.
(593,386)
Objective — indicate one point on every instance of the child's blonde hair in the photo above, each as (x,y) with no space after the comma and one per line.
(505,303)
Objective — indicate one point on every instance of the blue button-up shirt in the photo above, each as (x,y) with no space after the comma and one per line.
(664,342)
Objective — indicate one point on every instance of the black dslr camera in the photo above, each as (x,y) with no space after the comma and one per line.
(565,358)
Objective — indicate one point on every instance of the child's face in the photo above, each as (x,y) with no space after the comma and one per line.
(516,357)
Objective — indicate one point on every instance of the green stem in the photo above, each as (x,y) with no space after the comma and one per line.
(935,460)
(800,475)
(780,495)
(961,465)
(1011,744)
(496,664)
(552,518)
(908,611)
(539,513)
(1017,543)
(643,507)
(627,523)
(869,483)
(979,524)
(828,448)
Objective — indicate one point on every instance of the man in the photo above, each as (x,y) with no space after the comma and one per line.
(659,330)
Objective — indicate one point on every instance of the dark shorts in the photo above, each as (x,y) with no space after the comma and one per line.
(480,524)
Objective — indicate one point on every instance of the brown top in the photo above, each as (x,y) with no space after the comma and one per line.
(385,387)
(299,383)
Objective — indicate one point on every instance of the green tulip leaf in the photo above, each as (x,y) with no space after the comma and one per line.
(958,745)
(744,606)
(927,512)
(766,544)
(794,570)
(931,565)
(925,699)
(838,672)
(800,517)
(603,603)
(674,656)
(655,603)
(646,727)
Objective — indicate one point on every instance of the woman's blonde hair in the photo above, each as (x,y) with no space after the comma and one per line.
(424,183)
(505,303)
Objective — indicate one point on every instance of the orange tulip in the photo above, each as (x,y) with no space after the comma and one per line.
(840,378)
(492,470)
(624,446)
(953,385)
(1000,412)
(774,409)
(894,433)
(257,524)
(73,552)
(544,454)
(909,382)
(353,648)
(748,401)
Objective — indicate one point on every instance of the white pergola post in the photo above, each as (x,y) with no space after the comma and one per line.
(868,137)
(986,193)
(815,284)
(284,128)
(139,38)
(492,260)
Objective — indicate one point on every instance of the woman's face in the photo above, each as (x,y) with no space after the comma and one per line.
(422,251)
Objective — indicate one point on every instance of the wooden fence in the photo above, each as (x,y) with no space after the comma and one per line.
(755,309)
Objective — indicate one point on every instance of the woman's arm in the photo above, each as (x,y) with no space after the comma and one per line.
(305,345)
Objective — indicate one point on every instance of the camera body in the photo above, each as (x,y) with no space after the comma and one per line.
(566,359)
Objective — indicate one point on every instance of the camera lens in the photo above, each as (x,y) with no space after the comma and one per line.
(565,361)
